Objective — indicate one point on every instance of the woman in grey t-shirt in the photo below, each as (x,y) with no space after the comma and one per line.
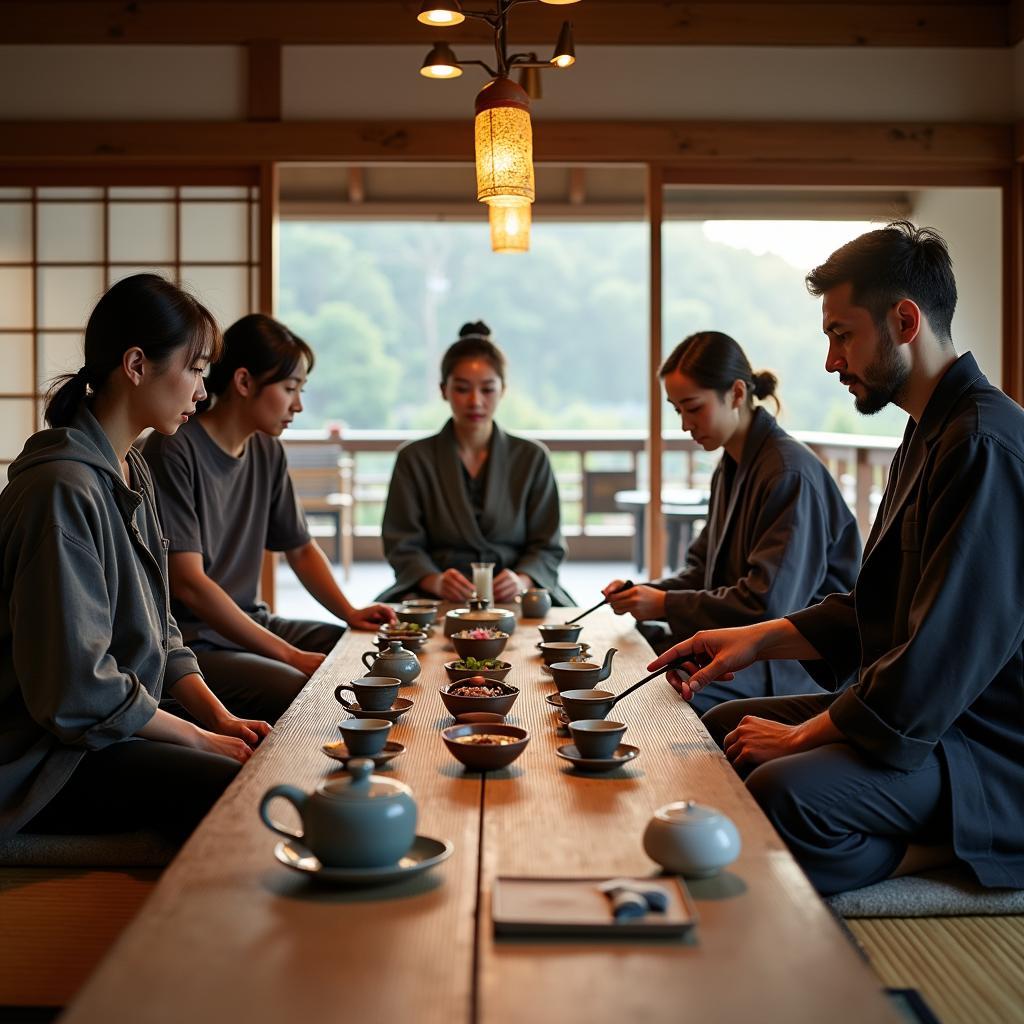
(225,497)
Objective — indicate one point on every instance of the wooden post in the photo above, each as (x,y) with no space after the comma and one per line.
(268,220)
(655,539)
(1013,279)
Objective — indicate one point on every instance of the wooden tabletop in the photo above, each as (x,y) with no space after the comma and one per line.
(229,934)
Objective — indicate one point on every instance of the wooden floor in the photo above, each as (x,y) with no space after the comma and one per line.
(970,970)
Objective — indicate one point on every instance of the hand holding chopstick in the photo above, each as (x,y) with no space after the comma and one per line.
(625,586)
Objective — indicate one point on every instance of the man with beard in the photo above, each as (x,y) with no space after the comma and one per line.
(916,757)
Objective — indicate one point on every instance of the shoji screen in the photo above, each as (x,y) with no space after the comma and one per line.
(61,247)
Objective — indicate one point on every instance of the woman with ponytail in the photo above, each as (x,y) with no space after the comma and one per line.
(88,645)
(779,535)
(225,497)
(472,493)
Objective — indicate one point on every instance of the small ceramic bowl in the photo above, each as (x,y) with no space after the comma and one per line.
(455,674)
(401,631)
(580,704)
(575,675)
(551,631)
(365,737)
(460,705)
(421,616)
(484,758)
(562,650)
(467,647)
(410,643)
(596,737)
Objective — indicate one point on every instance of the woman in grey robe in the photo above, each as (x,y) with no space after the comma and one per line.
(473,493)
(779,535)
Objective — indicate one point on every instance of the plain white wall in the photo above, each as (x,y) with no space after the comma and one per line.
(970,219)
(112,83)
(646,82)
(662,82)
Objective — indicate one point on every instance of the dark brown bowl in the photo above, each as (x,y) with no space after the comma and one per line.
(578,704)
(466,647)
(562,650)
(421,616)
(459,705)
(576,675)
(484,759)
(455,674)
(555,631)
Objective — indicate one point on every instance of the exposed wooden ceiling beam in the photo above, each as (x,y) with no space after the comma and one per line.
(606,22)
(721,146)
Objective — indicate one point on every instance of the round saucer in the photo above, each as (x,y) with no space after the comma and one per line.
(623,754)
(555,700)
(399,708)
(341,753)
(424,854)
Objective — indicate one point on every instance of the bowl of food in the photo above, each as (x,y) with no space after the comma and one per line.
(413,631)
(479,642)
(478,693)
(463,668)
(553,632)
(416,615)
(485,746)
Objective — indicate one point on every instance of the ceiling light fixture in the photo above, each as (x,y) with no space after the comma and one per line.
(510,228)
(503,132)
(439,12)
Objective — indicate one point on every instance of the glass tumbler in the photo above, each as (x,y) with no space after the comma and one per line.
(483,580)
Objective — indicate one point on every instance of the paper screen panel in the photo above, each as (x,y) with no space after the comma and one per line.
(214,232)
(15,232)
(140,232)
(70,232)
(16,298)
(67,295)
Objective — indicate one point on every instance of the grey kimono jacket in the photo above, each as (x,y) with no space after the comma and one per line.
(780,539)
(429,522)
(934,628)
(87,641)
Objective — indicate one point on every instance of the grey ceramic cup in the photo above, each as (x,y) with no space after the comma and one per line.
(372,693)
(365,737)
(596,737)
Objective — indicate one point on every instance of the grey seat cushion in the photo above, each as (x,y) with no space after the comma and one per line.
(114,850)
(947,892)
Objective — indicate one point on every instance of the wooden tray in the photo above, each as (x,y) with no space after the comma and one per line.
(575,906)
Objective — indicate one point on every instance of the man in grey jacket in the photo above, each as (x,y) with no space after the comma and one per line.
(921,759)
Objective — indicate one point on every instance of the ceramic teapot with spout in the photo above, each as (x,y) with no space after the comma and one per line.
(396,661)
(362,821)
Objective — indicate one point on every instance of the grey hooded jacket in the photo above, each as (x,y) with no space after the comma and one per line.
(87,640)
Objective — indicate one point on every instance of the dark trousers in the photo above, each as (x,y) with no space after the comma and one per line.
(846,818)
(137,784)
(251,686)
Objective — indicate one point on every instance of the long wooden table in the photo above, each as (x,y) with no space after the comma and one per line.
(229,934)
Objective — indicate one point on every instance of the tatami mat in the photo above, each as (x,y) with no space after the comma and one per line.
(57,924)
(970,970)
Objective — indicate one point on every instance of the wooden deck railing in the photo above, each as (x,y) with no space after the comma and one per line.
(590,466)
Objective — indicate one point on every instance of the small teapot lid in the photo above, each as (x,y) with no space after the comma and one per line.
(362,784)
(689,813)
(395,649)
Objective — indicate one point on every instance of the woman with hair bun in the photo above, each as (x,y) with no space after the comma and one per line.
(225,496)
(779,535)
(88,645)
(472,493)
